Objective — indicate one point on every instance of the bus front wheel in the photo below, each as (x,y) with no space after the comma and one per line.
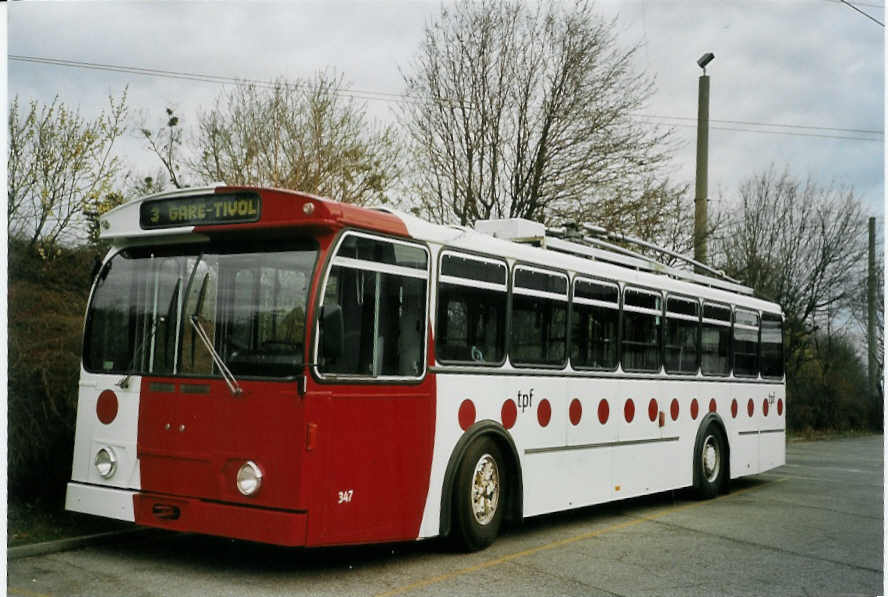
(479,496)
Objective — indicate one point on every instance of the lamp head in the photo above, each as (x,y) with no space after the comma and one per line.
(704,60)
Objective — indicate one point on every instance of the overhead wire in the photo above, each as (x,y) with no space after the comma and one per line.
(787,133)
(202,77)
(769,124)
(398,97)
(867,4)
(864,13)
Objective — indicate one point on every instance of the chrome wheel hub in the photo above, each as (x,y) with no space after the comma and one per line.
(485,489)
(711,458)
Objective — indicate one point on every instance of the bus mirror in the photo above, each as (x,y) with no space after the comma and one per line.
(332,336)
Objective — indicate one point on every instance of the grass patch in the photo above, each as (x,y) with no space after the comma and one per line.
(816,435)
(37,522)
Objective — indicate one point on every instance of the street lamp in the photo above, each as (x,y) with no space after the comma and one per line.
(701,187)
(705,59)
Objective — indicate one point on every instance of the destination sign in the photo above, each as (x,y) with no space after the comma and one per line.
(202,210)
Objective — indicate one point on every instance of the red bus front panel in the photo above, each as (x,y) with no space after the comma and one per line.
(195,434)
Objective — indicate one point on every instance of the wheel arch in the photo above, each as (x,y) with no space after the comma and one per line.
(515,491)
(714,419)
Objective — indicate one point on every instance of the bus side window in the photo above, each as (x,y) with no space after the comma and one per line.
(594,324)
(539,318)
(471,318)
(381,288)
(401,325)
(746,337)
(680,335)
(772,346)
(349,289)
(642,316)
(715,340)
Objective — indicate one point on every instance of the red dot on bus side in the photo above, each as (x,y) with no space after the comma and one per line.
(750,407)
(576,411)
(603,411)
(653,409)
(712,406)
(466,414)
(695,409)
(780,407)
(673,409)
(509,413)
(629,410)
(765,407)
(544,412)
(106,407)
(734,408)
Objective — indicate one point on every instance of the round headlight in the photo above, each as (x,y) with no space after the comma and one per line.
(249,478)
(106,462)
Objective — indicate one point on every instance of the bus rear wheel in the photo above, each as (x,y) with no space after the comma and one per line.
(479,495)
(710,463)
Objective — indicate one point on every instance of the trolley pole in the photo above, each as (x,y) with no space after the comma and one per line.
(701,190)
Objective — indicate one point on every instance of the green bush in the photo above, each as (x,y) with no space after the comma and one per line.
(828,391)
(46,302)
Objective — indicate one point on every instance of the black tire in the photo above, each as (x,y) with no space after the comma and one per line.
(710,462)
(476,528)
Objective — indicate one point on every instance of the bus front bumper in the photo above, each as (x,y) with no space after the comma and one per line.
(190,515)
(226,520)
(110,502)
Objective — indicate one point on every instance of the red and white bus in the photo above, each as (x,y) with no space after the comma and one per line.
(273,366)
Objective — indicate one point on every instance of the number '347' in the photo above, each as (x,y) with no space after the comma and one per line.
(346,496)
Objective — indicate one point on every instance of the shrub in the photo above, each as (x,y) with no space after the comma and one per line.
(46,302)
(828,390)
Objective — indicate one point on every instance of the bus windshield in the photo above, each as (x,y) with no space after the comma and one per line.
(249,299)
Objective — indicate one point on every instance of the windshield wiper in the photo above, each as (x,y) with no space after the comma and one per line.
(227,375)
(123,383)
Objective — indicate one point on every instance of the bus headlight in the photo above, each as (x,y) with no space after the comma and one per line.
(106,463)
(249,478)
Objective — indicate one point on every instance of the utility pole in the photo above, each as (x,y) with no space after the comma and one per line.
(701,190)
(871,348)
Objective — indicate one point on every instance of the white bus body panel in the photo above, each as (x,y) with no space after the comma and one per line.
(100,501)
(121,435)
(568,466)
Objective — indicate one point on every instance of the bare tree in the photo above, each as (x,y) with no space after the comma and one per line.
(307,136)
(166,144)
(60,164)
(798,243)
(527,112)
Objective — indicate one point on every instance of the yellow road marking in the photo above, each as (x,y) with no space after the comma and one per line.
(554,544)
(24,592)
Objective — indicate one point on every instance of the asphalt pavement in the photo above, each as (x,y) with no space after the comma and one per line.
(812,527)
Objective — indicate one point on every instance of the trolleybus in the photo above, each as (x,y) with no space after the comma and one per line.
(273,366)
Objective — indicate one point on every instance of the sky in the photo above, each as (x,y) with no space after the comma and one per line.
(813,71)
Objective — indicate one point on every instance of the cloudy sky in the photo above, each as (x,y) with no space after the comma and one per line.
(795,83)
